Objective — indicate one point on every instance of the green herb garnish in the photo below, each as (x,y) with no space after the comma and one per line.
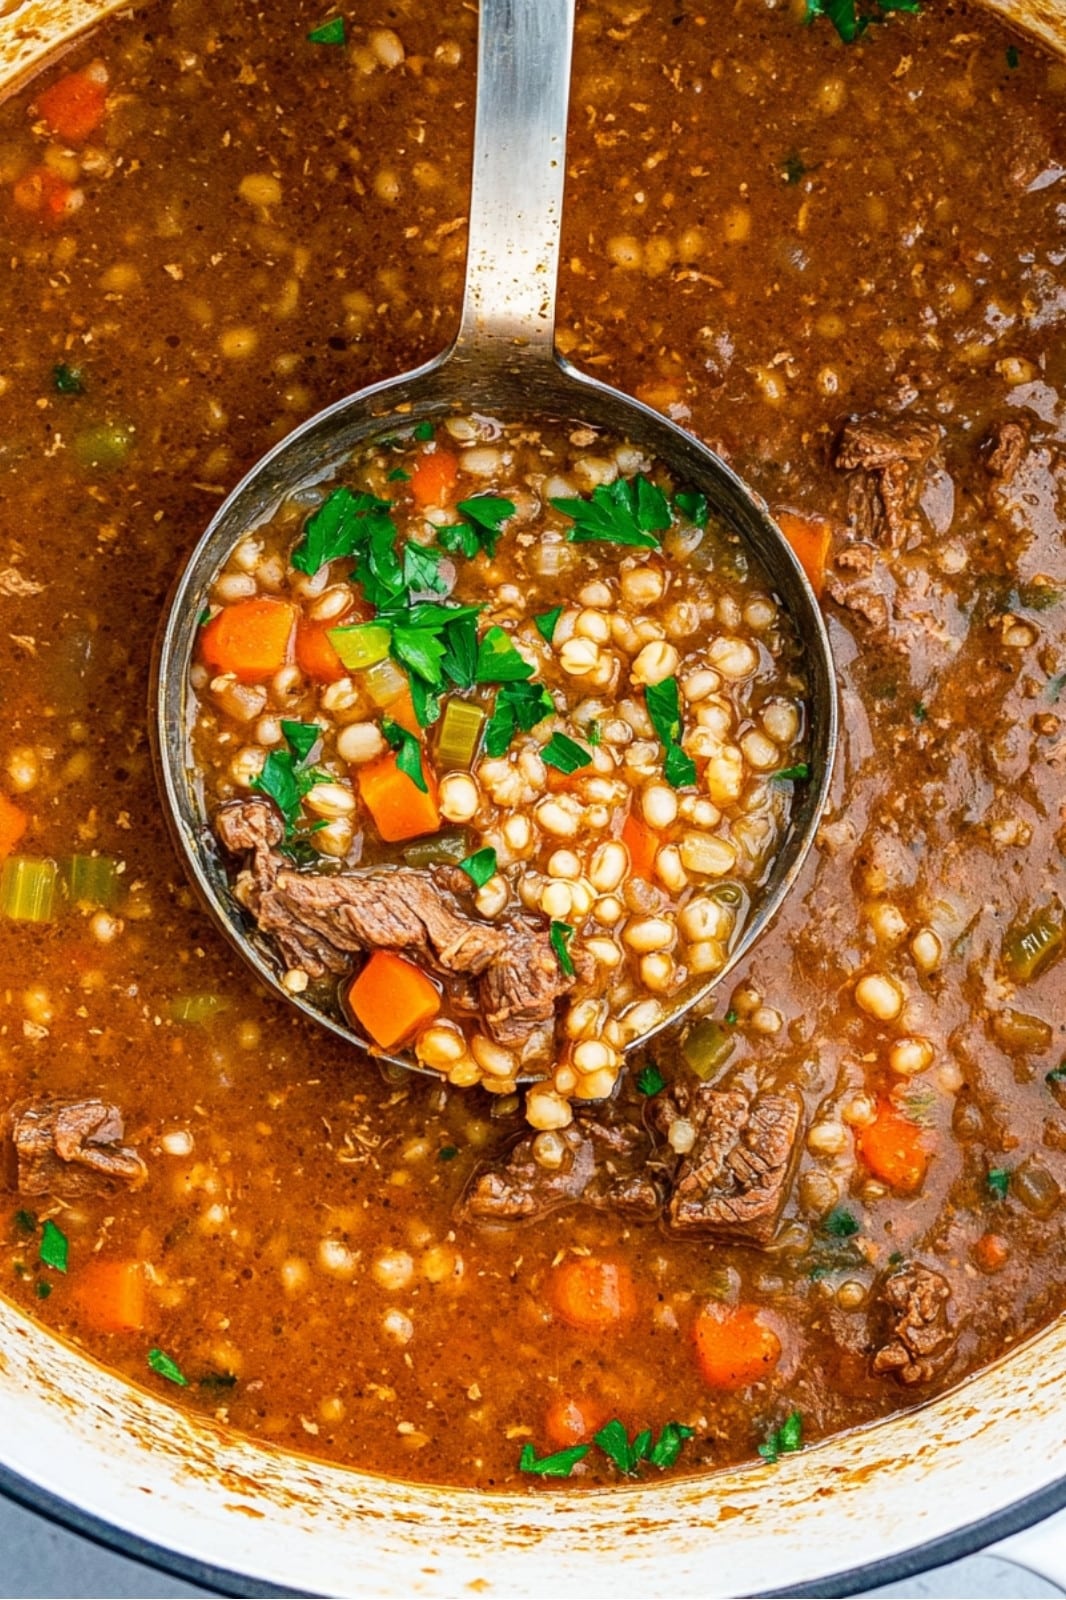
(285,777)
(627,1454)
(42,1289)
(408,752)
(481,866)
(630,511)
(650,1080)
(545,622)
(663,701)
(793,169)
(693,505)
(460,539)
(488,513)
(498,661)
(447,1152)
(68,380)
(398,475)
(849,20)
(998,1181)
(26,1222)
(795,774)
(329,33)
(160,1362)
(559,1465)
(1013,57)
(421,569)
(785,1440)
(1056,1075)
(560,934)
(594,733)
(920,711)
(340,527)
(54,1249)
(839,1223)
(518,709)
(423,431)
(565,754)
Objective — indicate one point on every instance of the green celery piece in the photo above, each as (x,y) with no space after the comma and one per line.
(361,645)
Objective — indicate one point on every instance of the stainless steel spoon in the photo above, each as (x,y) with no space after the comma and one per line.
(503,362)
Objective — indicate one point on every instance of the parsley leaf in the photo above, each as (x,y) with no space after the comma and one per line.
(546,621)
(301,737)
(460,539)
(998,1181)
(398,475)
(425,702)
(285,778)
(839,1223)
(160,1362)
(421,570)
(498,661)
(54,1249)
(796,774)
(849,21)
(559,1465)
(488,513)
(422,431)
(338,528)
(560,934)
(459,661)
(26,1222)
(693,505)
(614,1441)
(447,1152)
(481,866)
(42,1289)
(565,754)
(785,1440)
(1013,57)
(793,169)
(630,511)
(667,1447)
(650,1080)
(420,650)
(68,380)
(408,752)
(518,709)
(593,732)
(664,708)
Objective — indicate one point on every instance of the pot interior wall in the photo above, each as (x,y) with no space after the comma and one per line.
(122,1456)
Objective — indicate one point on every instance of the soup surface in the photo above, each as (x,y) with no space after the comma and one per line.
(841,1189)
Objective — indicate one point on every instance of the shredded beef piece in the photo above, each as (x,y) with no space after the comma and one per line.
(65,1147)
(1006,445)
(733,1182)
(603,1166)
(317,920)
(892,454)
(921,1339)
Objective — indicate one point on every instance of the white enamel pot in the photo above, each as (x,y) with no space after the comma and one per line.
(981,1463)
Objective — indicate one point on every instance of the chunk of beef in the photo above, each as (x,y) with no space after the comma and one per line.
(318,920)
(602,1165)
(1006,447)
(66,1147)
(733,1182)
(920,1338)
(892,455)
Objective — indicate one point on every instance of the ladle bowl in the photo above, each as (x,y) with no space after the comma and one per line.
(503,363)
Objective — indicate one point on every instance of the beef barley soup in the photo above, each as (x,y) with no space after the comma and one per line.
(838,1189)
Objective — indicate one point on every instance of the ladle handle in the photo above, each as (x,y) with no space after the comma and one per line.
(516,202)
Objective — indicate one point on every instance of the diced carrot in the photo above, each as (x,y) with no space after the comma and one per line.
(111,1295)
(573,1421)
(809,538)
(434,478)
(734,1347)
(643,844)
(402,710)
(315,655)
(592,1294)
(74,106)
(991,1252)
(391,998)
(399,808)
(46,195)
(250,639)
(13,822)
(894,1150)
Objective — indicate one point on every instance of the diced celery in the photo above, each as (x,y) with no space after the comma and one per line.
(442,850)
(707,1047)
(197,1008)
(91,880)
(460,731)
(384,682)
(28,889)
(1030,949)
(361,645)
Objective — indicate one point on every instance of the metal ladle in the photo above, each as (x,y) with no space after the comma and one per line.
(503,362)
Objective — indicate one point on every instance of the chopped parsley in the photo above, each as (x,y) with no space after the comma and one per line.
(1056,1075)
(664,708)
(565,754)
(398,475)
(285,777)
(481,866)
(785,1440)
(1013,57)
(447,1152)
(921,711)
(559,1465)
(545,622)
(630,511)
(68,380)
(851,19)
(341,526)
(793,169)
(594,733)
(218,1380)
(204,617)
(560,934)
(998,1181)
(26,1222)
(693,505)
(650,1080)
(488,513)
(839,1223)
(167,1368)
(730,1018)
(54,1249)
(795,774)
(497,659)
(42,1289)
(423,431)
(421,569)
(333,32)
(518,709)
(408,752)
